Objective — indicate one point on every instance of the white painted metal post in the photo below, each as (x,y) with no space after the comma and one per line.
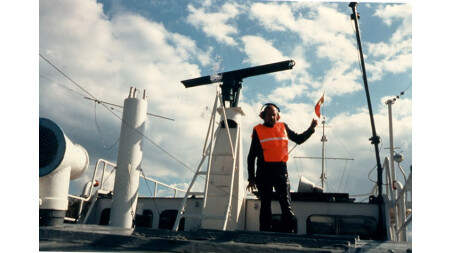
(129,158)
(400,203)
(392,168)
(391,143)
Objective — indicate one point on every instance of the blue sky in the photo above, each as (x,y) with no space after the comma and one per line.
(108,46)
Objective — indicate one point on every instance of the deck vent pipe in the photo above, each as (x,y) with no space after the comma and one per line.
(59,162)
(129,159)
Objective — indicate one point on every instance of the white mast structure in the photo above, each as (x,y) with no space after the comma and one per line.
(392,155)
(324,139)
(129,159)
(389,103)
(395,188)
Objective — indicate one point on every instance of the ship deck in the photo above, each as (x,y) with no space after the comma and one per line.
(75,237)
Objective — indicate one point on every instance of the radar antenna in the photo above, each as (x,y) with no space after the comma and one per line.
(232,80)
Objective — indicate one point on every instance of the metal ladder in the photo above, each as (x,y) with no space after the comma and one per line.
(207,152)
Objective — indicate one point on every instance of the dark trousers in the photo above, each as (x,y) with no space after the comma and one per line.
(268,177)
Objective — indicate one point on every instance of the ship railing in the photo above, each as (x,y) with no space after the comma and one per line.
(107,166)
(88,189)
(156,182)
(89,186)
(399,205)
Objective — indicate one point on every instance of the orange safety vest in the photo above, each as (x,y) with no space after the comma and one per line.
(274,142)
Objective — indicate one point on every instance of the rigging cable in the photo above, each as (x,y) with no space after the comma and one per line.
(148,187)
(343,173)
(95,110)
(373,181)
(62,85)
(126,123)
(98,129)
(62,73)
(110,173)
(348,174)
(329,186)
(117,116)
(346,161)
(357,52)
(87,92)
(106,103)
(296,167)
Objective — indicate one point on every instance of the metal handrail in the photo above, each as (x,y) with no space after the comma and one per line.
(175,189)
(106,163)
(398,202)
(91,188)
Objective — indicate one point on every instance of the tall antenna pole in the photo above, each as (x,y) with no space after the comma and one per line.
(375,139)
(323,140)
(390,102)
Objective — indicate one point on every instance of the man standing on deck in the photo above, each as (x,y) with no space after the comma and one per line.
(270,146)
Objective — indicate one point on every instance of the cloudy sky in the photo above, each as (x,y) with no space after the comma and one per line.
(108,46)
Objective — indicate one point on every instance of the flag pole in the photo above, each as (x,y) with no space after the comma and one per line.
(323,140)
(317,113)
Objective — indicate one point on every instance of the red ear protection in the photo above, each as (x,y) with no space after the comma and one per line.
(262,113)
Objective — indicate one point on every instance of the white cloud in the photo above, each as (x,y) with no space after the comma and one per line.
(106,57)
(340,80)
(349,136)
(396,55)
(215,24)
(323,33)
(389,13)
(260,51)
(284,95)
(274,17)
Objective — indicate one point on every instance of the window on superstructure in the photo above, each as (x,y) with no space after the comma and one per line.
(363,226)
(145,220)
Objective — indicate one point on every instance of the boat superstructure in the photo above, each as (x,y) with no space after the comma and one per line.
(317,213)
(220,214)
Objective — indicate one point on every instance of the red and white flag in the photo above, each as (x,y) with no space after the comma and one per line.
(319,103)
